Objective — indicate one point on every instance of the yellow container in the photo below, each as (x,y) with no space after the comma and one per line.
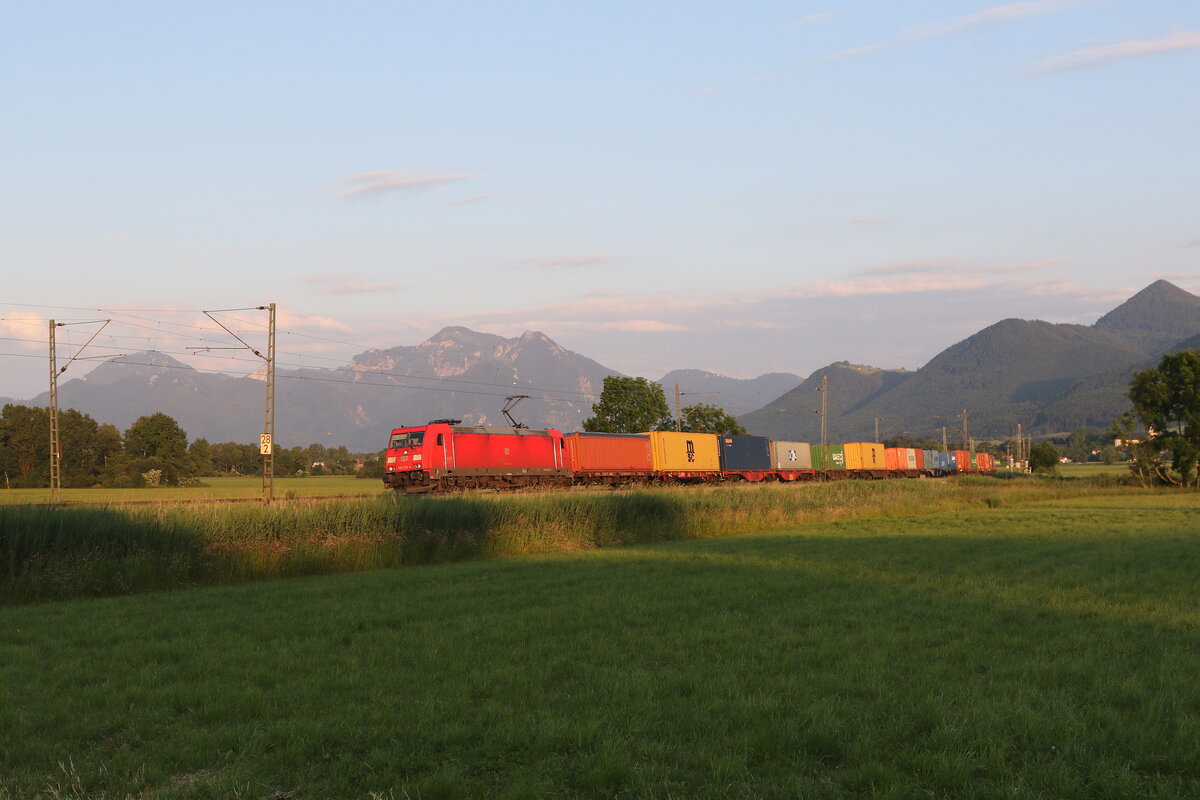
(865,455)
(684,452)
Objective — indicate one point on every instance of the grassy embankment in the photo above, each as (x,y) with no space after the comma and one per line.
(1014,651)
(86,551)
(248,488)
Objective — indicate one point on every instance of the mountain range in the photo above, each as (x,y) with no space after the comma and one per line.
(1049,377)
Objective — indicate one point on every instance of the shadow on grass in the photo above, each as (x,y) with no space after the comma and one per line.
(904,658)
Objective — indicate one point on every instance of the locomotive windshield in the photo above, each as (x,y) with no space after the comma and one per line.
(409,439)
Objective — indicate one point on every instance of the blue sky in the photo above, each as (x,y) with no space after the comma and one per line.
(740,187)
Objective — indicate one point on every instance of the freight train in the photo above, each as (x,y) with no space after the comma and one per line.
(444,456)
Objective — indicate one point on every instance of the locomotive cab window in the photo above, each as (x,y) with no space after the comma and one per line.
(410,439)
(441,439)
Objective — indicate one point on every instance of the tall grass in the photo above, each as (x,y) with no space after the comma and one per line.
(49,553)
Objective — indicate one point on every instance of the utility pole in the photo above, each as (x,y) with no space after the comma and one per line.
(266,441)
(1020,440)
(55,449)
(55,444)
(824,412)
(678,420)
(877,430)
(966,440)
(945,443)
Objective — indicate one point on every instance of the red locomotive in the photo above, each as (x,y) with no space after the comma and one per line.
(444,456)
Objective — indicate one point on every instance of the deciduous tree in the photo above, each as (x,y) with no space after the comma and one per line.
(705,418)
(629,405)
(1167,400)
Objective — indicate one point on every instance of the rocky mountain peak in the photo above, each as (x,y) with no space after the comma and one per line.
(144,365)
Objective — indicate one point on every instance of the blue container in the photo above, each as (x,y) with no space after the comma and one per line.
(952,464)
(744,453)
(930,457)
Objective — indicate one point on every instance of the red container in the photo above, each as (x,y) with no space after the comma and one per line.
(920,456)
(964,460)
(893,456)
(608,453)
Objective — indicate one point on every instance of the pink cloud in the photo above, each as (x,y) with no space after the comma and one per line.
(385,181)
(1093,56)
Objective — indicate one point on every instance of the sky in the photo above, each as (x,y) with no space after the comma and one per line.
(741,187)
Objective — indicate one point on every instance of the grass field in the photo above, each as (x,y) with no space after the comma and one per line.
(1013,651)
(1089,470)
(209,489)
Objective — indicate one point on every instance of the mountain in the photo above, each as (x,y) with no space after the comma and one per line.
(456,372)
(1156,317)
(794,416)
(1048,377)
(736,395)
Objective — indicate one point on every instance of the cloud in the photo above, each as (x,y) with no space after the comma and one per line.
(1130,48)
(918,267)
(386,181)
(29,330)
(563,261)
(869,220)
(1010,12)
(466,201)
(634,325)
(290,319)
(344,284)
(812,19)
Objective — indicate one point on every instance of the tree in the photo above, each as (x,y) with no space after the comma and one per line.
(25,446)
(157,442)
(1043,457)
(629,405)
(705,418)
(1167,400)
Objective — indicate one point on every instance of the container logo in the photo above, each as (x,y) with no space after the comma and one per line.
(792,455)
(691,451)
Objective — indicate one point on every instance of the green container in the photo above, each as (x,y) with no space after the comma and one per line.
(830,456)
(974,462)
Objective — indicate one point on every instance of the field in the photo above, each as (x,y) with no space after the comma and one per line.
(209,489)
(1088,470)
(1020,647)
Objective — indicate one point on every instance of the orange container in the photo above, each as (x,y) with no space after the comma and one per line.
(892,457)
(609,453)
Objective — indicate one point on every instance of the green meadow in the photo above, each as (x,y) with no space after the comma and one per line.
(247,488)
(1014,645)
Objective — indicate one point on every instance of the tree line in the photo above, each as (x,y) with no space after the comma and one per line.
(154,450)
